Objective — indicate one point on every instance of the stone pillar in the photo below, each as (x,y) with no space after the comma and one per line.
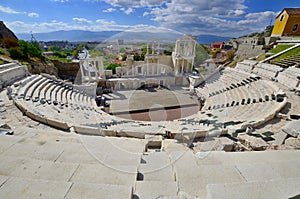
(81,70)
(182,65)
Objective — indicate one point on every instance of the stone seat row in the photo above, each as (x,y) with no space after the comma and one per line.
(252,114)
(87,119)
(256,91)
(288,61)
(262,69)
(290,77)
(41,88)
(8,66)
(230,80)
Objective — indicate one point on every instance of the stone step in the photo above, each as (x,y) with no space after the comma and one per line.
(15,187)
(103,191)
(155,189)
(217,158)
(154,172)
(20,187)
(195,171)
(276,189)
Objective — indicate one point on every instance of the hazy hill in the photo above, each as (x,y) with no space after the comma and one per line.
(136,36)
(70,35)
(208,39)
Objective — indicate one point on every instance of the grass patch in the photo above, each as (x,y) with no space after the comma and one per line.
(65,60)
(280,48)
(290,53)
(268,133)
(2,52)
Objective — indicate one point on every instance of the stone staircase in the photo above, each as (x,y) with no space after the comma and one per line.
(156,177)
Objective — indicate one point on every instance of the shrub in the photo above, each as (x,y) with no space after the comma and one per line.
(31,49)
(16,53)
(2,52)
(112,67)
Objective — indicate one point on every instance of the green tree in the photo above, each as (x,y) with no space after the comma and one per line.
(136,56)
(124,57)
(75,53)
(201,55)
(34,49)
(16,53)
(122,50)
(112,67)
(31,49)
(23,46)
(54,48)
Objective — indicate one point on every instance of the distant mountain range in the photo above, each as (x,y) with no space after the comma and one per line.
(136,36)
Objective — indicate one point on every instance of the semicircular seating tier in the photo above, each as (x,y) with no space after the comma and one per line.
(233,100)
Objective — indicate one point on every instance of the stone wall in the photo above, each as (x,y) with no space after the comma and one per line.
(247,51)
(65,70)
(39,67)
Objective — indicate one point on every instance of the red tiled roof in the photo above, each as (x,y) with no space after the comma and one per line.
(290,11)
(218,43)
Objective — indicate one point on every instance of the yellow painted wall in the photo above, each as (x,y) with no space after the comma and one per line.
(280,25)
(285,27)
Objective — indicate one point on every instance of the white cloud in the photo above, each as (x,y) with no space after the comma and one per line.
(261,15)
(127,11)
(219,17)
(109,10)
(236,13)
(22,27)
(82,20)
(132,3)
(33,15)
(54,25)
(104,22)
(8,10)
(145,14)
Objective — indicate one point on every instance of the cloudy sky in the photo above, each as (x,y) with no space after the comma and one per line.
(219,17)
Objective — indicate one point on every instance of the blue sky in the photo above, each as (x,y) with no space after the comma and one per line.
(219,17)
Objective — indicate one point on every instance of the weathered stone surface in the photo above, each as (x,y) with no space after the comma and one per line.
(281,136)
(28,188)
(103,191)
(105,174)
(292,128)
(257,144)
(36,169)
(215,144)
(293,142)
(155,189)
(277,189)
(227,144)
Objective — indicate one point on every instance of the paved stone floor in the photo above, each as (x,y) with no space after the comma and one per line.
(42,162)
(152,105)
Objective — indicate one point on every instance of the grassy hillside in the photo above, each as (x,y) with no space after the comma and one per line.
(290,53)
(280,48)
